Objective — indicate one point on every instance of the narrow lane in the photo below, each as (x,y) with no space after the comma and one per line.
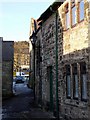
(21,106)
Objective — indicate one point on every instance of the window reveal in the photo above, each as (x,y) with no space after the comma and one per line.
(75,81)
(68,81)
(67,20)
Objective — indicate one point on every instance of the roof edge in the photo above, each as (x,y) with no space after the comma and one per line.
(50,10)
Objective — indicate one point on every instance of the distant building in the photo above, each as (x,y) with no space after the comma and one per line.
(7,68)
(21,57)
(60,59)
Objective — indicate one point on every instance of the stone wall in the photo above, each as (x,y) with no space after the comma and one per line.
(7,68)
(75,34)
(0,76)
(7,77)
(70,106)
(89,58)
(48,57)
(47,38)
(38,69)
(73,48)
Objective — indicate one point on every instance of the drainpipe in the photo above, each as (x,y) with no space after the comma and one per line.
(57,101)
(56,24)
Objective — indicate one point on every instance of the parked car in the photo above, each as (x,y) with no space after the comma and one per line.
(19,79)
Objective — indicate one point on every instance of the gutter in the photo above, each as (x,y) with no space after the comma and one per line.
(50,10)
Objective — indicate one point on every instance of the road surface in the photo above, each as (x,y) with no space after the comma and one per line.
(21,106)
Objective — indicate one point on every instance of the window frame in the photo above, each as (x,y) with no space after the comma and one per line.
(67,13)
(75,87)
(68,73)
(81,74)
(75,19)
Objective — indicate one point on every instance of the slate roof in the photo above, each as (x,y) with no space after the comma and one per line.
(50,10)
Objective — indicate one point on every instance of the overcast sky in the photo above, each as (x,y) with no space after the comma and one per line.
(15,17)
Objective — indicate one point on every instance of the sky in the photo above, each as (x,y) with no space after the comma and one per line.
(15,17)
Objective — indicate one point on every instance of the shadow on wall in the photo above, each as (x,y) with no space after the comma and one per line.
(76,78)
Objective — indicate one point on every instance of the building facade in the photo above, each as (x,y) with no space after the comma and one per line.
(21,57)
(7,68)
(62,59)
(1,39)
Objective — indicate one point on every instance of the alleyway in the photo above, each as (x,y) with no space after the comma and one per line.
(21,106)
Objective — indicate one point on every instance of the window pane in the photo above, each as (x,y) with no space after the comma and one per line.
(83,81)
(68,86)
(73,15)
(68,81)
(75,86)
(81,6)
(84,86)
(75,81)
(67,20)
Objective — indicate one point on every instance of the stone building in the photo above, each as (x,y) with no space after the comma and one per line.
(7,68)
(21,57)
(62,59)
(33,27)
(1,75)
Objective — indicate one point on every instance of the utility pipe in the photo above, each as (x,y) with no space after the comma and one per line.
(57,101)
(56,37)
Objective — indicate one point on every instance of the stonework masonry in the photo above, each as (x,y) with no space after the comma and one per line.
(73,49)
(1,74)
(7,78)
(7,68)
